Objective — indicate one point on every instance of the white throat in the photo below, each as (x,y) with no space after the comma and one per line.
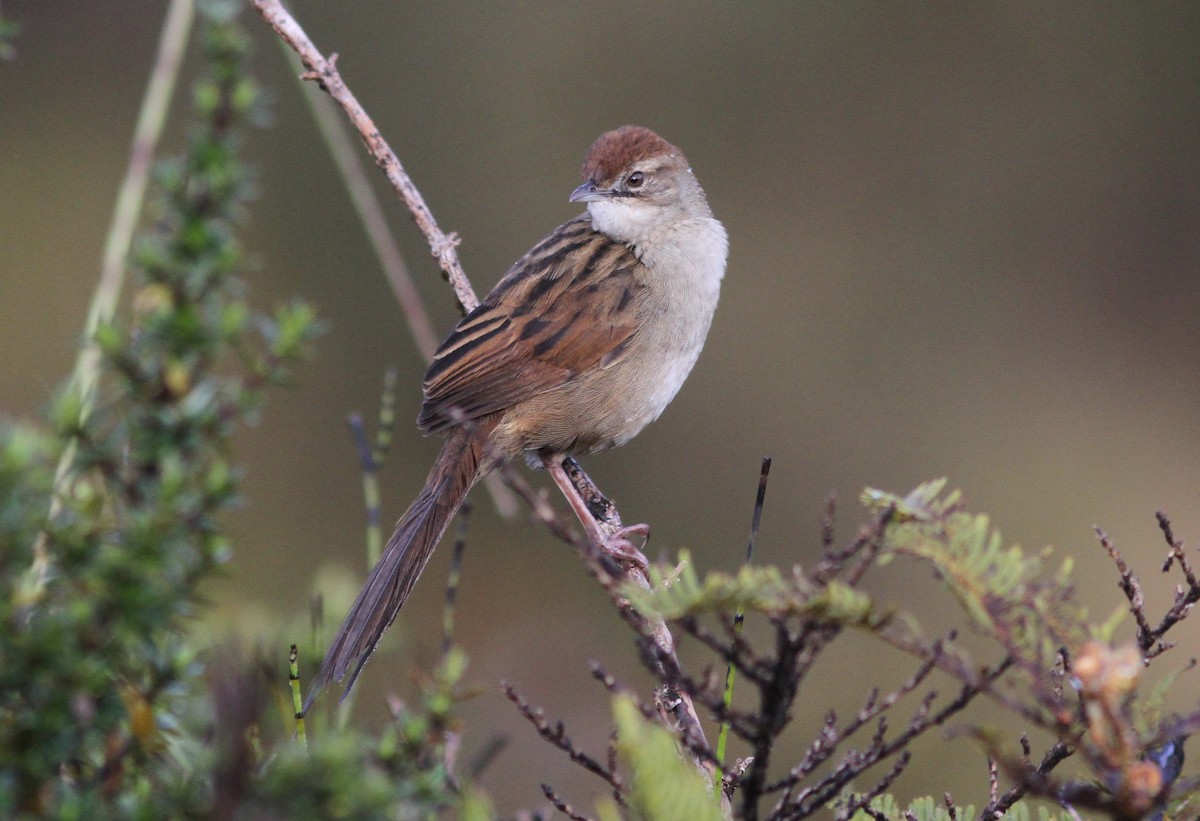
(634,223)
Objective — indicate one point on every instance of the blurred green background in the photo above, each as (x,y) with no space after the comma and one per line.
(965,241)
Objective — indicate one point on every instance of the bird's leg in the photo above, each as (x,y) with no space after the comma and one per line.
(601,507)
(617,544)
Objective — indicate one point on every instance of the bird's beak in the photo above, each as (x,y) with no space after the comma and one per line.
(588,192)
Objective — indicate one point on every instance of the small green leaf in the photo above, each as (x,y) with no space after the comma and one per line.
(665,787)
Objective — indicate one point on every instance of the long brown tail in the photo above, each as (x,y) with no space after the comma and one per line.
(458,467)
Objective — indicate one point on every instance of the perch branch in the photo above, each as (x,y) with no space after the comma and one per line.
(370,213)
(675,703)
(324,71)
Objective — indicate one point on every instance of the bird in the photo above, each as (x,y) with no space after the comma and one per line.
(582,343)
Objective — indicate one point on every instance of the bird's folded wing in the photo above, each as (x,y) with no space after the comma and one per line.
(537,330)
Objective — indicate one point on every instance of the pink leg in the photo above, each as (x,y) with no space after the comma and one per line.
(617,544)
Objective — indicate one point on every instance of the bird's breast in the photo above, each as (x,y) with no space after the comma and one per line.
(609,405)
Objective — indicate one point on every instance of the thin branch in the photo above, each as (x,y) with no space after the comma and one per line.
(737,651)
(1132,590)
(1176,550)
(993,780)
(1053,757)
(370,213)
(830,737)
(366,203)
(324,71)
(452,580)
(1185,598)
(740,617)
(557,736)
(561,805)
(879,788)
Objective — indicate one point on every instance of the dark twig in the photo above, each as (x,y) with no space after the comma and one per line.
(830,737)
(1133,592)
(828,520)
(865,548)
(607,679)
(736,650)
(880,787)
(452,580)
(740,616)
(561,805)
(557,736)
(1185,598)
(1176,553)
(1150,639)
(616,688)
(1057,753)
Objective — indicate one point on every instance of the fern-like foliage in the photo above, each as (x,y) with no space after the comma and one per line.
(1004,590)
(680,592)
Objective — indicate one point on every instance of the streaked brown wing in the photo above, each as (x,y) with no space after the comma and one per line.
(565,307)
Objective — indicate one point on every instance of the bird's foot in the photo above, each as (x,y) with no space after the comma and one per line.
(618,545)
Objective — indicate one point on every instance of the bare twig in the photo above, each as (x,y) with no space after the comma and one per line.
(557,736)
(736,650)
(1185,597)
(370,213)
(1053,757)
(1176,553)
(460,545)
(951,807)
(828,520)
(1132,590)
(561,805)
(324,71)
(740,617)
(1150,639)
(387,250)
(880,787)
(830,736)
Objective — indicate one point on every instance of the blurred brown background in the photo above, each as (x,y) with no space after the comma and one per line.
(965,242)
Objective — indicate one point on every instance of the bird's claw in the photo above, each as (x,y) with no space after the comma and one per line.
(620,547)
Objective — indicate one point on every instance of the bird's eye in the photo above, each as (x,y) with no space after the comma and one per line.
(635,179)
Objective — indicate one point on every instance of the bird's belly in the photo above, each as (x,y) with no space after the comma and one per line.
(603,408)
